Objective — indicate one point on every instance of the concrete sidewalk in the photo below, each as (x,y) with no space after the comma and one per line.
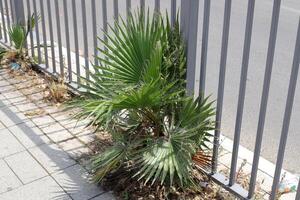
(41,148)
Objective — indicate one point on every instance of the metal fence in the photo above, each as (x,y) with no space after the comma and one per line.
(71,27)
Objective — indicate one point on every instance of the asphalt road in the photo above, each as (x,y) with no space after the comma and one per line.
(281,71)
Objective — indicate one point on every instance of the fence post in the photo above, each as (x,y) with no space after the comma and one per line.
(189,27)
(17,11)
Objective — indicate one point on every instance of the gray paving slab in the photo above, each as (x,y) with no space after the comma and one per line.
(56,132)
(1,125)
(74,148)
(25,167)
(9,144)
(43,189)
(29,136)
(51,157)
(43,121)
(11,116)
(75,182)
(8,180)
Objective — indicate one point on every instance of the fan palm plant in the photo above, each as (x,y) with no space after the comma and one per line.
(137,94)
(18,34)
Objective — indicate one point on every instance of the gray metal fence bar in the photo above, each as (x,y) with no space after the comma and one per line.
(30,33)
(7,13)
(225,35)
(287,115)
(60,54)
(67,33)
(94,27)
(128,7)
(242,90)
(157,6)
(1,28)
(104,18)
(17,9)
(265,95)
(205,30)
(7,17)
(116,10)
(173,12)
(36,17)
(75,30)
(192,45)
(85,36)
(116,14)
(3,22)
(184,19)
(11,2)
(142,4)
(298,192)
(51,35)
(44,32)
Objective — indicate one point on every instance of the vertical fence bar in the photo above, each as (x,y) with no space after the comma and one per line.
(36,17)
(60,54)
(7,17)
(242,90)
(116,14)
(13,14)
(67,33)
(1,28)
(173,12)
(157,6)
(298,191)
(225,35)
(17,9)
(191,39)
(116,10)
(185,18)
(49,10)
(104,18)
(76,44)
(265,95)
(205,30)
(287,115)
(30,33)
(142,5)
(94,27)
(85,37)
(44,32)
(3,22)
(128,7)
(7,13)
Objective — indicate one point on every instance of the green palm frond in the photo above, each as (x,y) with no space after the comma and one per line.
(17,35)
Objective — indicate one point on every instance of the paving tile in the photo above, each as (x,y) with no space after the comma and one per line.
(9,144)
(43,121)
(43,189)
(75,183)
(11,116)
(74,148)
(5,87)
(29,135)
(57,133)
(14,96)
(25,167)
(26,106)
(8,180)
(105,196)
(87,137)
(1,125)
(51,157)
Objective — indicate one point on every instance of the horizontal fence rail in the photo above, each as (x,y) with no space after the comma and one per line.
(65,40)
